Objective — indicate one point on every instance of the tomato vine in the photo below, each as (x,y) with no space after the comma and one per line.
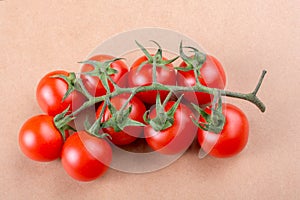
(169,126)
(103,71)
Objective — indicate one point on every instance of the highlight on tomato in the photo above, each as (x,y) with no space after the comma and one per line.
(86,157)
(56,92)
(40,140)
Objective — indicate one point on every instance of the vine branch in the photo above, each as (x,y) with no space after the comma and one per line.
(250,97)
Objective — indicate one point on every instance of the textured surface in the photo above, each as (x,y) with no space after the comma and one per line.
(246,36)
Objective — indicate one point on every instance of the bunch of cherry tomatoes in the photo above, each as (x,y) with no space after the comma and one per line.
(131,104)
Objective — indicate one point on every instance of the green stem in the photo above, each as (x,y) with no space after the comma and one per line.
(113,82)
(62,122)
(197,79)
(262,76)
(167,98)
(83,89)
(250,97)
(127,102)
(154,70)
(95,128)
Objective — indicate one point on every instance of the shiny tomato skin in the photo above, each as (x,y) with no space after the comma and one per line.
(39,139)
(85,157)
(50,92)
(176,138)
(212,75)
(130,133)
(93,83)
(144,77)
(232,139)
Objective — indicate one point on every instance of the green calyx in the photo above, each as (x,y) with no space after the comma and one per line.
(213,122)
(120,118)
(164,119)
(193,62)
(96,127)
(70,80)
(61,121)
(101,67)
(102,70)
(157,59)
(74,83)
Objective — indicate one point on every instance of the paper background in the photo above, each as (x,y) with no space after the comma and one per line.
(247,36)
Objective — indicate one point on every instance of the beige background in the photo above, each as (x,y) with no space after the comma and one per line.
(247,36)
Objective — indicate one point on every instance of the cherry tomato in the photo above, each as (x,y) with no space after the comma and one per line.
(232,139)
(85,157)
(165,76)
(212,75)
(50,92)
(130,133)
(176,138)
(93,83)
(39,139)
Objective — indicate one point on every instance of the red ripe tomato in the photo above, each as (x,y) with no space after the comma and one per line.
(232,139)
(93,83)
(130,133)
(212,75)
(50,92)
(144,77)
(39,139)
(85,157)
(176,138)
